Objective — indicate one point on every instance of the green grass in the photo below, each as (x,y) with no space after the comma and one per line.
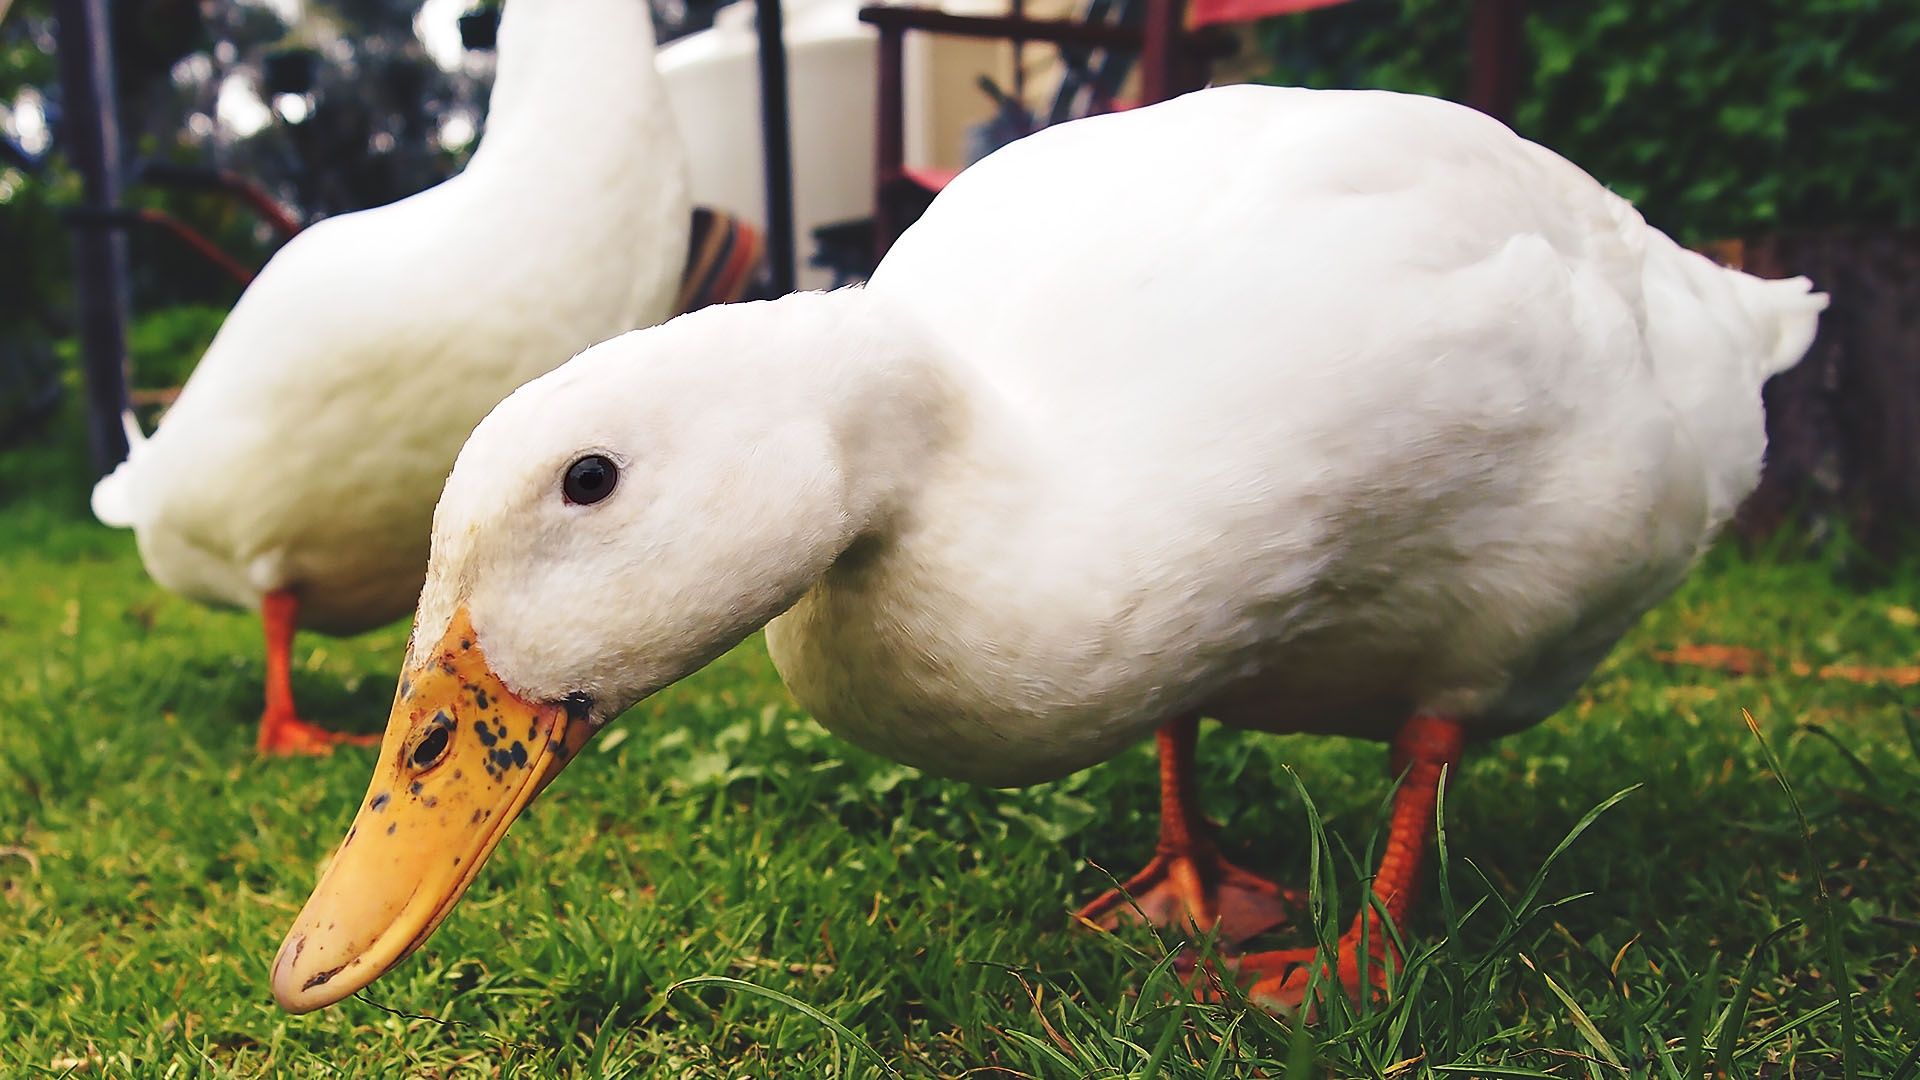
(823,912)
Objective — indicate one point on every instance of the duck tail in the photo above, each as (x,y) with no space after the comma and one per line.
(1787,312)
(113,499)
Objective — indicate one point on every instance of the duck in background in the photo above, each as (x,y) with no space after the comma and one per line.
(297,471)
(1348,413)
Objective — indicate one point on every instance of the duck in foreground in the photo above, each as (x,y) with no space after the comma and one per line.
(297,471)
(1336,412)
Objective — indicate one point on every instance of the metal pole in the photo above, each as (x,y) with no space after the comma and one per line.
(890,144)
(1494,82)
(1156,53)
(777,145)
(99,250)
(1019,57)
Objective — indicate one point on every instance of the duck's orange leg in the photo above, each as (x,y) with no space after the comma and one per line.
(1424,747)
(281,730)
(1189,881)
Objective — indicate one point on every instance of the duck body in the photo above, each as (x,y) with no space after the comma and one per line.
(307,448)
(1311,411)
(1303,410)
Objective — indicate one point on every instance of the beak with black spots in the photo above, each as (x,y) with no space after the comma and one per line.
(462,756)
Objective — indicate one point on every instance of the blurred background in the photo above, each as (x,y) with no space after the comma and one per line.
(149,860)
(1771,133)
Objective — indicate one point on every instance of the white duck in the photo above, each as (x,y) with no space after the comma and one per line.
(1336,412)
(297,471)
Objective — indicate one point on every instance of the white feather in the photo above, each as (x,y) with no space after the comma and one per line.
(1303,410)
(308,446)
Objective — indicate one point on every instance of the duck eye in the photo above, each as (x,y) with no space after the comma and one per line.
(430,748)
(589,479)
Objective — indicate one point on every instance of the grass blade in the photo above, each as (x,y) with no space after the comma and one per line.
(1836,954)
(1736,1014)
(1167,1037)
(1299,1054)
(1787,1028)
(1046,1050)
(1581,1021)
(1449,911)
(840,1030)
(1910,1067)
(1217,1067)
(1697,1028)
(1586,821)
(1860,768)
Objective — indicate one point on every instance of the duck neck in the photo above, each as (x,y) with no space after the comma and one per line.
(899,409)
(577,75)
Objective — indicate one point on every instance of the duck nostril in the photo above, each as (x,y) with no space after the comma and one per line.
(579,705)
(431,747)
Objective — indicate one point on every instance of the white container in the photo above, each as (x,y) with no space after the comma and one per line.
(713,83)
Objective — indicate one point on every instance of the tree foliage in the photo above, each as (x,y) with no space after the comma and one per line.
(1718,119)
(361,128)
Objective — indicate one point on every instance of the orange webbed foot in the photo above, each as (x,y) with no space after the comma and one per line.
(1189,884)
(282,732)
(282,736)
(1279,980)
(1196,888)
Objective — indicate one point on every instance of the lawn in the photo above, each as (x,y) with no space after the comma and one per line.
(842,915)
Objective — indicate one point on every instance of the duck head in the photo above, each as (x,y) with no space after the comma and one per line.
(609,528)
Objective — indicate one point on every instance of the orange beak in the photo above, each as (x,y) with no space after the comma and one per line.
(463,755)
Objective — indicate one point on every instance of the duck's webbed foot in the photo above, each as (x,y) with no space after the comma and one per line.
(1280,979)
(1189,884)
(281,729)
(288,734)
(1196,889)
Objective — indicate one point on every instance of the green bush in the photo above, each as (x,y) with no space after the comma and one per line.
(163,346)
(1718,119)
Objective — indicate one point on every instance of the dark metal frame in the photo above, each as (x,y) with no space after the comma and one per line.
(1172,62)
(92,135)
(1493,82)
(225,182)
(123,220)
(776,142)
